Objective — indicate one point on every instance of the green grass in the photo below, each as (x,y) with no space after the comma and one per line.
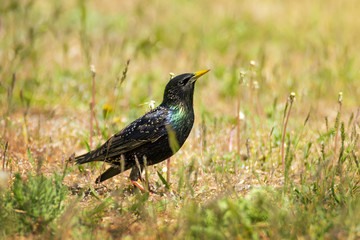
(32,205)
(216,190)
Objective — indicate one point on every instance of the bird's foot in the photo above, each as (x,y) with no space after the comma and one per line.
(138,185)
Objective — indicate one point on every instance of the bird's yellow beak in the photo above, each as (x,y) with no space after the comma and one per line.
(199,74)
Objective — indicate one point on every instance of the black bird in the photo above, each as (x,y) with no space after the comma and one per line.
(153,137)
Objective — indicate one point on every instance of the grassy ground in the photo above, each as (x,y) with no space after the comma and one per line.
(228,180)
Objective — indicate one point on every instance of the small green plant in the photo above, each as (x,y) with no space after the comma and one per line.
(229,218)
(33,203)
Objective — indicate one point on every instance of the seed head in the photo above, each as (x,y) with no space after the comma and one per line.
(340,97)
(92,69)
(150,104)
(242,77)
(292,97)
(241,115)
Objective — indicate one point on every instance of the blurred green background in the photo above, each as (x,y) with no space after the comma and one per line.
(309,47)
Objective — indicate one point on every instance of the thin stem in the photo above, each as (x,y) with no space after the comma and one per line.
(118,83)
(4,155)
(231,139)
(147,185)
(238,108)
(97,124)
(168,171)
(357,116)
(92,106)
(238,122)
(291,99)
(258,108)
(337,124)
(9,99)
(252,103)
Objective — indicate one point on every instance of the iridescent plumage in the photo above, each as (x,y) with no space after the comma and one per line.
(148,138)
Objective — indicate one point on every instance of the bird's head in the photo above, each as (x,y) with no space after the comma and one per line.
(180,89)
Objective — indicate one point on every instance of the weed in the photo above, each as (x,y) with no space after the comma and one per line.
(33,204)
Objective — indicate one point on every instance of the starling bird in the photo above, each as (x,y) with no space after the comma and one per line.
(153,137)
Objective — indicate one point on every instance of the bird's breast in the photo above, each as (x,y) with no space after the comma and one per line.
(181,122)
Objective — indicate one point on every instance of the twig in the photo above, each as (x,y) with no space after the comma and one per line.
(19,211)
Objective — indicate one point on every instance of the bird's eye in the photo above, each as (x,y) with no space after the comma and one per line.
(183,82)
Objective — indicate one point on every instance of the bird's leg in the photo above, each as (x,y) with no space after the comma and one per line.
(134,176)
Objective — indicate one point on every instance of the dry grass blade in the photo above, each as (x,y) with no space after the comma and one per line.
(291,100)
(337,121)
(92,105)
(4,155)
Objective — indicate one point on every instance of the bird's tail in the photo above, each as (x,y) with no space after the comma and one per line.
(81,159)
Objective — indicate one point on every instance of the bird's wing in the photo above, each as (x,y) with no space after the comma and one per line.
(148,128)
(109,173)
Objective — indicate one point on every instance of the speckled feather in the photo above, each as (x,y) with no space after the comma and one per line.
(148,137)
